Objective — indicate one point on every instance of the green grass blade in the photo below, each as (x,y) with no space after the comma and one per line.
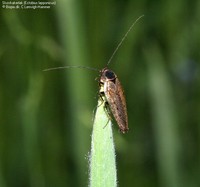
(164,119)
(102,160)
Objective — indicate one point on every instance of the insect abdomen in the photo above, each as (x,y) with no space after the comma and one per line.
(117,104)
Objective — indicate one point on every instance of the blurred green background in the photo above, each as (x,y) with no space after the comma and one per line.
(46,117)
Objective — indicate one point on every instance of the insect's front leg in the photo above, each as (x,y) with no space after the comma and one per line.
(101,93)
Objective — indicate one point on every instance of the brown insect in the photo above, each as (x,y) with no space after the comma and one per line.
(111,91)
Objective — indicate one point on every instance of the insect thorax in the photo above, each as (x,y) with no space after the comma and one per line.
(107,75)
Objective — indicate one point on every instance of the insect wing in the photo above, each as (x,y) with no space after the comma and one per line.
(117,104)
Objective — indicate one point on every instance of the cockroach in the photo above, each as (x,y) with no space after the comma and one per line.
(110,88)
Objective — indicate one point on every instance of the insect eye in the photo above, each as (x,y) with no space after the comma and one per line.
(109,75)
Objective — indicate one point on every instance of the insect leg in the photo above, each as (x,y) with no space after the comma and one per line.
(108,113)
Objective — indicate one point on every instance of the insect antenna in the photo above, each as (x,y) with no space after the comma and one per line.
(122,40)
(65,67)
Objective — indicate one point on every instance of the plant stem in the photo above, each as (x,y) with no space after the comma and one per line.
(102,159)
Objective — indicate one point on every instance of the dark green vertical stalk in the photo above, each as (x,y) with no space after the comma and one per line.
(164,119)
(72,31)
(30,104)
